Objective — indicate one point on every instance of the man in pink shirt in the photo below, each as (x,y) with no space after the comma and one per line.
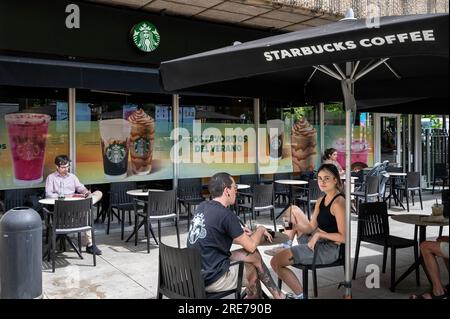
(68,184)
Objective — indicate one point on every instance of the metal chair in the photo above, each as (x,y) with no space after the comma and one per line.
(373,227)
(261,200)
(411,185)
(314,266)
(313,193)
(69,217)
(189,193)
(180,277)
(120,200)
(281,191)
(440,172)
(159,206)
(371,190)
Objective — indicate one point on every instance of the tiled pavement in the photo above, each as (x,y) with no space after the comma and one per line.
(128,271)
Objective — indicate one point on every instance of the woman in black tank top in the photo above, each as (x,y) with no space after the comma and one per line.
(327,225)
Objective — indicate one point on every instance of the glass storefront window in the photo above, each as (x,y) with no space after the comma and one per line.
(216,135)
(32,133)
(123,137)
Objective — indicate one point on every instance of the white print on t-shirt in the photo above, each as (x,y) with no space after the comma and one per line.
(198,229)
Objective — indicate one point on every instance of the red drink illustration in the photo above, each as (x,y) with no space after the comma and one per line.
(360,151)
(27,138)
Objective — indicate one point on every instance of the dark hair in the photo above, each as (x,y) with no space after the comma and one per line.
(62,160)
(327,154)
(218,183)
(333,170)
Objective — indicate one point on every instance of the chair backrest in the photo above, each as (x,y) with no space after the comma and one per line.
(372,185)
(179,274)
(161,203)
(251,180)
(440,170)
(373,220)
(263,195)
(190,188)
(118,193)
(70,214)
(21,197)
(413,179)
(445,200)
(314,191)
(281,187)
(394,169)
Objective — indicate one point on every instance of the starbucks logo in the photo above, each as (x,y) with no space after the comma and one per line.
(28,151)
(141,146)
(145,36)
(116,153)
(275,143)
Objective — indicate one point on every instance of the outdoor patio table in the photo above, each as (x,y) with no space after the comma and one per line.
(96,197)
(393,194)
(242,186)
(291,183)
(142,192)
(422,221)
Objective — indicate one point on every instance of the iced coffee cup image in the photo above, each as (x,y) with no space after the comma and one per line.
(142,137)
(303,146)
(275,133)
(114,135)
(27,134)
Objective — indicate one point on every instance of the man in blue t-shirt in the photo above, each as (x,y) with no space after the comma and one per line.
(213,230)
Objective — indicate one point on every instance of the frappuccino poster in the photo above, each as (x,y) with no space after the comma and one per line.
(29,143)
(132,148)
(305,148)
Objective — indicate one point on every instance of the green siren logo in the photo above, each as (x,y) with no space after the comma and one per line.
(145,36)
(116,153)
(141,146)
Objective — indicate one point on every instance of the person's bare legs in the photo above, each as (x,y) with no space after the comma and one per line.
(279,264)
(444,239)
(431,249)
(263,273)
(299,222)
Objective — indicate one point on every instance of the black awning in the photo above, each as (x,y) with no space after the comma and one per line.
(34,72)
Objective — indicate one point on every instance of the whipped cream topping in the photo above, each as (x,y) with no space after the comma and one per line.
(140,117)
(303,128)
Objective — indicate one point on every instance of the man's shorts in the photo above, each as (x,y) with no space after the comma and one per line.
(444,248)
(228,281)
(328,252)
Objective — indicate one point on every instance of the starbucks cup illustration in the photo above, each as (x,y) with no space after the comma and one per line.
(27,138)
(114,138)
(141,142)
(275,130)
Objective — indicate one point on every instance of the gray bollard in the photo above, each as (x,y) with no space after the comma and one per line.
(20,254)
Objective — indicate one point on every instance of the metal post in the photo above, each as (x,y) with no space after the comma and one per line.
(72,132)
(256,106)
(418,144)
(348,152)
(322,126)
(176,124)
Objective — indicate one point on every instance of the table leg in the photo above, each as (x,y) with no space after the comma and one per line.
(290,202)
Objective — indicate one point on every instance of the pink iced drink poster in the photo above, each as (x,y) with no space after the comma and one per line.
(360,151)
(361,146)
(27,135)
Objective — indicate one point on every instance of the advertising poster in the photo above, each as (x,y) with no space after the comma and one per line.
(132,149)
(29,143)
(362,143)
